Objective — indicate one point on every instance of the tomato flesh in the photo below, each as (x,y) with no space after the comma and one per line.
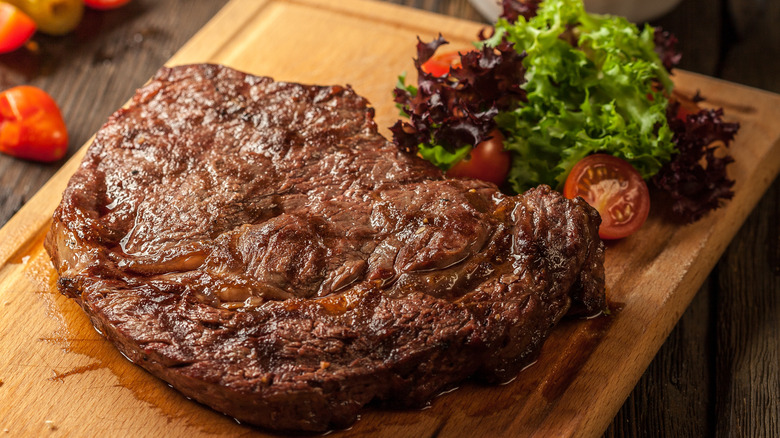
(15,28)
(488,161)
(105,4)
(614,188)
(439,65)
(31,125)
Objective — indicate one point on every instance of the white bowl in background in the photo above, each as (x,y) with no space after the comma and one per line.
(635,10)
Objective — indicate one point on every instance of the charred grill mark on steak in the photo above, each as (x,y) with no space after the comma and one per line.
(261,247)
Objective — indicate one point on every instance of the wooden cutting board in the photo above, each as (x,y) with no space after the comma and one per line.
(60,377)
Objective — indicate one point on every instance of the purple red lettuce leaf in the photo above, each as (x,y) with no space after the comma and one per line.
(457,110)
(696,178)
(666,48)
(513,9)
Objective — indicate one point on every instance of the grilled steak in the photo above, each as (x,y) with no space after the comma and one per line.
(259,246)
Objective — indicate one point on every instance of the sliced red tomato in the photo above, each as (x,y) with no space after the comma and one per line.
(31,125)
(488,161)
(15,27)
(614,188)
(105,4)
(439,65)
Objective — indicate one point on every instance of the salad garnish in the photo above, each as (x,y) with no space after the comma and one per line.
(449,115)
(696,177)
(561,84)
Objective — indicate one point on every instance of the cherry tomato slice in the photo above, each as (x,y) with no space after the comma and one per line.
(488,161)
(439,65)
(614,188)
(15,28)
(105,4)
(31,125)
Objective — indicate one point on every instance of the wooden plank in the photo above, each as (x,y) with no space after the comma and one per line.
(746,386)
(746,389)
(672,397)
(738,40)
(652,276)
(747,347)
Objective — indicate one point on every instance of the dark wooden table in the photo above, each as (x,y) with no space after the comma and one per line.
(718,374)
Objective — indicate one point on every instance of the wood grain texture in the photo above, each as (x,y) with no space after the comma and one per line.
(747,391)
(688,389)
(678,386)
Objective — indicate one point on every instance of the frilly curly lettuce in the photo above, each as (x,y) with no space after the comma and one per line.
(561,84)
(593,84)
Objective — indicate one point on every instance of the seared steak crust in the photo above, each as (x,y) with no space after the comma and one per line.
(263,249)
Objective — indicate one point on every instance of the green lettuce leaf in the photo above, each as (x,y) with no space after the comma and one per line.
(440,156)
(594,84)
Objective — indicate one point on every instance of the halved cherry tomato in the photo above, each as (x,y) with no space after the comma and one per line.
(488,161)
(614,188)
(439,65)
(15,28)
(31,125)
(105,4)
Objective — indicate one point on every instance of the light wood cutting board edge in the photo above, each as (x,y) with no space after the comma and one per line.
(32,220)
